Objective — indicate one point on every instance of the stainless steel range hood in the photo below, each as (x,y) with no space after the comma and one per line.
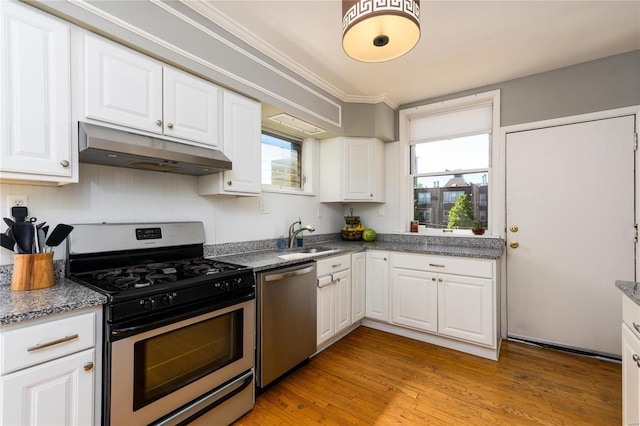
(112,147)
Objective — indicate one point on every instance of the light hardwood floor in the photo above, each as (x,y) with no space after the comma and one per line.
(375,378)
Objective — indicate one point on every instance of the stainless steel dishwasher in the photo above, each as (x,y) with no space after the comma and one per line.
(286,303)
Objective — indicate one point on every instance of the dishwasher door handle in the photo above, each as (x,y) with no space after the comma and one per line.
(289,274)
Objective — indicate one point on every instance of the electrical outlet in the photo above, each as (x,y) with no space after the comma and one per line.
(16,200)
(264,207)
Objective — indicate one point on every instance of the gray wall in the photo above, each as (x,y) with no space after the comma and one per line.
(599,85)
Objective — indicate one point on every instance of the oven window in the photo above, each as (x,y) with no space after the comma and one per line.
(166,363)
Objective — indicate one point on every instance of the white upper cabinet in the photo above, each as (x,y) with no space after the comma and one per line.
(126,88)
(352,169)
(241,143)
(35,102)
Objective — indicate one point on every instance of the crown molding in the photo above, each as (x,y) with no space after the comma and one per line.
(213,14)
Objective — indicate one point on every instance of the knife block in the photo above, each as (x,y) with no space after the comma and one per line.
(32,271)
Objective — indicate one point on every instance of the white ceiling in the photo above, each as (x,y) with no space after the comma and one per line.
(464,44)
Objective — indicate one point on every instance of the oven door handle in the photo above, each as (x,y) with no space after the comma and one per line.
(206,402)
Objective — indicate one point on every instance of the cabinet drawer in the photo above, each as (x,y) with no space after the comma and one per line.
(631,315)
(444,264)
(333,264)
(35,344)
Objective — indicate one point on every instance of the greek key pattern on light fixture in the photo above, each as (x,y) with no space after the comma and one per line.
(365,7)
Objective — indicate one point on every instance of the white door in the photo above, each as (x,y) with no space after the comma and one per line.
(122,86)
(570,193)
(191,107)
(58,392)
(35,109)
(415,299)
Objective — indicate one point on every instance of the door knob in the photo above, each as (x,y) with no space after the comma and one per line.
(513,228)
(513,244)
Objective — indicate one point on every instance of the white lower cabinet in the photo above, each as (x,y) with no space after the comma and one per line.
(377,287)
(334,296)
(630,362)
(415,299)
(58,392)
(358,286)
(48,370)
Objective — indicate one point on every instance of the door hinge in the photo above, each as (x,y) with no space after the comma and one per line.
(635,142)
(635,233)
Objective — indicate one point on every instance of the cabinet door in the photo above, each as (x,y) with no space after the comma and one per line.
(343,299)
(415,299)
(241,143)
(58,392)
(326,313)
(191,107)
(122,86)
(358,163)
(358,272)
(377,286)
(630,377)
(465,308)
(35,105)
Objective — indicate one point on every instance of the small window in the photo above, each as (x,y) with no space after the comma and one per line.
(281,162)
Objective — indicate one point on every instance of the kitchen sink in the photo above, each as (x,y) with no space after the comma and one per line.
(303,253)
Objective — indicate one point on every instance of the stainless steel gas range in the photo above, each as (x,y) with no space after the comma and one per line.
(179,328)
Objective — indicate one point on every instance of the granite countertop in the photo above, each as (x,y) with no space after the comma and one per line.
(631,289)
(64,296)
(268,259)
(67,295)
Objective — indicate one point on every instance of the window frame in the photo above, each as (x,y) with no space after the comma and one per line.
(406,192)
(303,163)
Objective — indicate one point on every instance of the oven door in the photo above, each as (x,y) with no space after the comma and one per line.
(158,371)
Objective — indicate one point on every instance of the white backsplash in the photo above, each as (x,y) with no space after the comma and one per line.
(109,194)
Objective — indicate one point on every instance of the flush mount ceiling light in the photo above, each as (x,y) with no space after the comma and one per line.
(379,30)
(296,123)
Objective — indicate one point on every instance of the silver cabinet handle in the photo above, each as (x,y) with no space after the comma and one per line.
(88,366)
(439,280)
(433,279)
(170,125)
(637,327)
(435,265)
(336,265)
(64,163)
(159,122)
(635,357)
(229,182)
(52,343)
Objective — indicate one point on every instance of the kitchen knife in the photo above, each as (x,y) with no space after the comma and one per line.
(58,235)
(6,242)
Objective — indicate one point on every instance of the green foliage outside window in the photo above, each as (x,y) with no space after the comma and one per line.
(461,214)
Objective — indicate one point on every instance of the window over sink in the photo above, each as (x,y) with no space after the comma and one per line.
(282,162)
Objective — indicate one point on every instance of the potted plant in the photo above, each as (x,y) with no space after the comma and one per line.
(477,229)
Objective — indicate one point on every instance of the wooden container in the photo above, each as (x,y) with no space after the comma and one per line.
(32,271)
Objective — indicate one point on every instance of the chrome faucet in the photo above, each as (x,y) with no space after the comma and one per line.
(293,234)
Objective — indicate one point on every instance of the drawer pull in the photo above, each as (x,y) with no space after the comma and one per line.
(637,327)
(336,265)
(52,343)
(435,265)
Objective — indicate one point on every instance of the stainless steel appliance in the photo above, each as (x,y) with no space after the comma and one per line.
(286,320)
(179,328)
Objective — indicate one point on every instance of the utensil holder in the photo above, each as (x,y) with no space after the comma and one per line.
(32,271)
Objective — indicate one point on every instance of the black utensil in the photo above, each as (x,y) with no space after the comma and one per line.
(19,213)
(46,230)
(40,225)
(23,234)
(58,235)
(8,221)
(6,242)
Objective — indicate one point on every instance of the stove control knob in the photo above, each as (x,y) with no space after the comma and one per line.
(167,299)
(237,282)
(148,304)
